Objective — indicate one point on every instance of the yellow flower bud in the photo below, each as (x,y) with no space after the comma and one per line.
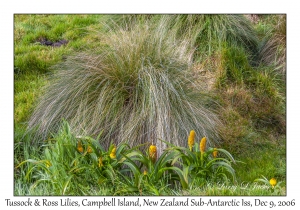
(48,163)
(152,153)
(215,153)
(89,149)
(273,182)
(191,139)
(75,163)
(112,156)
(79,147)
(203,145)
(145,172)
(100,162)
(113,153)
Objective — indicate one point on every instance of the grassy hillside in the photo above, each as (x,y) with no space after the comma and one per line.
(86,84)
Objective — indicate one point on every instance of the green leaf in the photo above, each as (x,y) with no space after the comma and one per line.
(110,173)
(227,154)
(134,168)
(181,175)
(66,185)
(264,180)
(28,161)
(152,189)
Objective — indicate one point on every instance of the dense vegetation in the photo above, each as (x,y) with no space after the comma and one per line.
(149,104)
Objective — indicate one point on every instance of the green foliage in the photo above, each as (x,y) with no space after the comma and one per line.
(200,166)
(147,175)
(72,165)
(235,67)
(70,171)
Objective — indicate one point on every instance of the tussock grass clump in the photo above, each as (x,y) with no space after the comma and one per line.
(129,21)
(136,89)
(273,48)
(208,33)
